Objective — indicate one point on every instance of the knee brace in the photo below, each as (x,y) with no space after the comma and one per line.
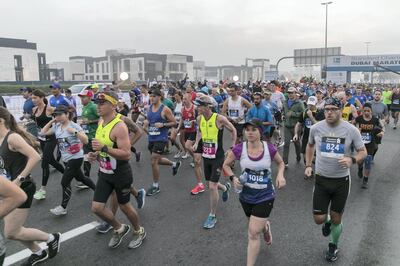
(367,162)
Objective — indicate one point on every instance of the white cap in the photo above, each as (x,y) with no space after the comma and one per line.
(312,100)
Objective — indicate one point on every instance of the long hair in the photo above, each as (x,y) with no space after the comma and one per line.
(40,94)
(11,124)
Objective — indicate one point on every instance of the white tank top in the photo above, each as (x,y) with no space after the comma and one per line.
(178,112)
(236,110)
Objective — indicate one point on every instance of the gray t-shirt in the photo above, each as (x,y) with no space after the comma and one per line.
(379,109)
(331,144)
(69,144)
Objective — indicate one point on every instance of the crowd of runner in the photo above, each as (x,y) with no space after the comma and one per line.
(331,127)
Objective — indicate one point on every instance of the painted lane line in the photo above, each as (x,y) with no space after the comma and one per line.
(64,237)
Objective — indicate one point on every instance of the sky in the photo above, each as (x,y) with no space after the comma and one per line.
(219,32)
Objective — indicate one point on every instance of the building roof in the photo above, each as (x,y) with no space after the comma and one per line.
(17,43)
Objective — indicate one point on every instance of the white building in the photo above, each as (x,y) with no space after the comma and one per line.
(199,70)
(19,60)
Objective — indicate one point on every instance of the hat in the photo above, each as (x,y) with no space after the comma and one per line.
(292,89)
(348,92)
(203,101)
(109,96)
(312,100)
(61,109)
(319,90)
(94,86)
(86,93)
(55,85)
(333,101)
(25,89)
(156,92)
(255,122)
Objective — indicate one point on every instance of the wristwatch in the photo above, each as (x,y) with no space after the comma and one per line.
(104,149)
(21,178)
(76,133)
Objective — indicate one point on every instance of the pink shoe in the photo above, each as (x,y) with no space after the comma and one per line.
(197,189)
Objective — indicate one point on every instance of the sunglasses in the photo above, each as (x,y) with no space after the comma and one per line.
(102,98)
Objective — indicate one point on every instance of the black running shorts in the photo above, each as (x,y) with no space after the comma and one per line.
(333,191)
(213,168)
(157,146)
(260,210)
(29,187)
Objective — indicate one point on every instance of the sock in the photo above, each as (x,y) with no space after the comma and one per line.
(212,215)
(51,238)
(39,253)
(336,231)
(119,231)
(200,184)
(155,184)
(174,164)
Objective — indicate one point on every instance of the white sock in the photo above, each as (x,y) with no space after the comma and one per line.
(51,238)
(155,184)
(121,229)
(174,164)
(200,184)
(39,253)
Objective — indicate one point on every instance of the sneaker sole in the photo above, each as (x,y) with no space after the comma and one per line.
(147,194)
(143,200)
(104,231)
(58,246)
(330,260)
(201,191)
(140,243)
(41,260)
(174,173)
(122,238)
(58,214)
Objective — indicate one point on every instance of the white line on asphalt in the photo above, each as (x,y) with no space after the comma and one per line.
(64,237)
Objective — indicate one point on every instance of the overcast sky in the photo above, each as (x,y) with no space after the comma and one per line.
(216,31)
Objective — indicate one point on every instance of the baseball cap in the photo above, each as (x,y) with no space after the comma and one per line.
(86,93)
(333,101)
(203,101)
(312,100)
(25,89)
(156,92)
(94,86)
(55,86)
(319,90)
(292,89)
(255,122)
(61,109)
(348,92)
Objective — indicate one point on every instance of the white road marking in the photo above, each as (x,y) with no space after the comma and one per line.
(64,237)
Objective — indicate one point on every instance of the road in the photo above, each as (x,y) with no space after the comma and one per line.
(173,220)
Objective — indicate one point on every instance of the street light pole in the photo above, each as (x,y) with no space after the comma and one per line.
(326,35)
(367,44)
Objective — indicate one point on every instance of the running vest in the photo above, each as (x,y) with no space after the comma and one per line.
(346,113)
(395,102)
(11,163)
(256,174)
(157,134)
(189,119)
(211,137)
(107,163)
(178,112)
(236,110)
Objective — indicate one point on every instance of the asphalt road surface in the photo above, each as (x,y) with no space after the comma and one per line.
(173,220)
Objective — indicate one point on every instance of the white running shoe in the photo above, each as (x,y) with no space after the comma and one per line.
(58,211)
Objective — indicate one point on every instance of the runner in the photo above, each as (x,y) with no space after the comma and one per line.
(395,106)
(387,99)
(332,139)
(111,147)
(306,121)
(159,119)
(257,193)
(234,109)
(275,112)
(174,130)
(18,156)
(210,138)
(349,112)
(42,115)
(293,110)
(261,112)
(88,121)
(69,97)
(187,127)
(371,129)
(70,137)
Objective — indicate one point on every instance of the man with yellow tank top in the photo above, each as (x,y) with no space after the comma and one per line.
(112,150)
(209,137)
(349,112)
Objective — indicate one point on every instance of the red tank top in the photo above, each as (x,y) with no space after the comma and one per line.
(189,119)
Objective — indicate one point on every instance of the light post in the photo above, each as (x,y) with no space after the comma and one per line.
(326,35)
(367,45)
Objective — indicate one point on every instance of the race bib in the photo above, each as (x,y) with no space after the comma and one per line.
(308,123)
(332,147)
(209,149)
(233,113)
(154,131)
(187,123)
(257,179)
(366,137)
(396,101)
(107,164)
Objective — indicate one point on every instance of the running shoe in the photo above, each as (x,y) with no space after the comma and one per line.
(394,127)
(185,155)
(116,239)
(192,164)
(81,185)
(138,155)
(58,211)
(103,227)
(210,222)
(35,259)
(54,246)
(197,189)
(326,229)
(140,199)
(153,190)
(177,155)
(286,165)
(331,253)
(175,167)
(225,194)
(138,238)
(365,183)
(40,194)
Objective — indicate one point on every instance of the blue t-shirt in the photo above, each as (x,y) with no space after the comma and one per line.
(263,113)
(69,144)
(28,106)
(60,100)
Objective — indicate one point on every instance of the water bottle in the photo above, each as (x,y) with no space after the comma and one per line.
(242,180)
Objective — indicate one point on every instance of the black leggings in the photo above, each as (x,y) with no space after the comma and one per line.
(73,170)
(48,147)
